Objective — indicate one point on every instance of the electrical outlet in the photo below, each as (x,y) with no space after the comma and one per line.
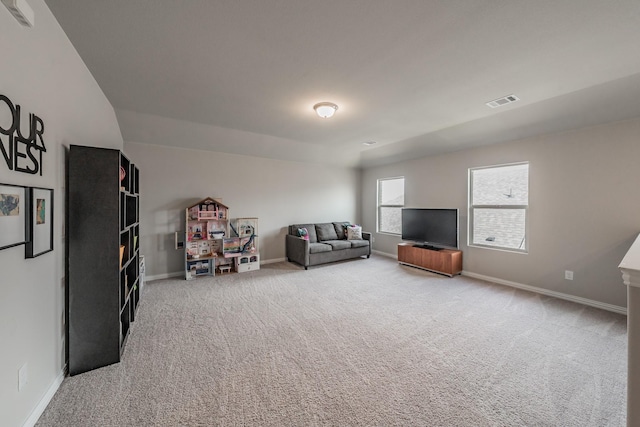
(23,377)
(568,274)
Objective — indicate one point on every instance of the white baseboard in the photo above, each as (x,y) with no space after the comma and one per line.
(272,261)
(163,276)
(560,295)
(388,255)
(542,291)
(44,402)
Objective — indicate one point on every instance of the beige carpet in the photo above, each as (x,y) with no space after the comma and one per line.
(358,343)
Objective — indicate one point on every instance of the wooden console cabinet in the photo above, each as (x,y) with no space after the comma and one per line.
(444,261)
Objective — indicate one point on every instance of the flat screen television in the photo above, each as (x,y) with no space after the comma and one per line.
(431,228)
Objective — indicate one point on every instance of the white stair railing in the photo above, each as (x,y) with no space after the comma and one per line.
(630,267)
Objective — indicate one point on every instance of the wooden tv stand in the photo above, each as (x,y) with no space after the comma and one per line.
(444,261)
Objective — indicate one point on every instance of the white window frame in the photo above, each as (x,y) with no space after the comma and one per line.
(472,207)
(380,205)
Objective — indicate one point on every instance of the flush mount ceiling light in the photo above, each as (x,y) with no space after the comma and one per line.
(325,109)
(368,143)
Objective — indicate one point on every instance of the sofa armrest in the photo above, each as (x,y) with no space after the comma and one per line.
(367,236)
(297,249)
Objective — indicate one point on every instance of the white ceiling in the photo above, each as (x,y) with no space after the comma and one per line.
(413,76)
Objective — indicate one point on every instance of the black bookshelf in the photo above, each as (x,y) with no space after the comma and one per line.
(103,289)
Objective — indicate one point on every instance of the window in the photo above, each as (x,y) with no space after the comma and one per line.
(498,203)
(390,204)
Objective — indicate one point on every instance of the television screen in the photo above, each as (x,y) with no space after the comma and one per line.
(431,227)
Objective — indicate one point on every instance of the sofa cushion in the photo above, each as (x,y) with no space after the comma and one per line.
(358,243)
(341,229)
(338,244)
(311,229)
(326,231)
(316,248)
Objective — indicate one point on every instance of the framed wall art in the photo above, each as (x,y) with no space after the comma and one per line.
(14,205)
(40,222)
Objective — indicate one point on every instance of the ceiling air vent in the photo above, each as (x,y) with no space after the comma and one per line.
(503,101)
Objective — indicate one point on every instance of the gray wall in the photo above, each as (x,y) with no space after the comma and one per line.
(583,212)
(42,72)
(278,192)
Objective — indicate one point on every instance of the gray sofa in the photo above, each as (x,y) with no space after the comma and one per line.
(327,243)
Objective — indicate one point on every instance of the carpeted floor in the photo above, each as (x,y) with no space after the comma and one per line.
(358,343)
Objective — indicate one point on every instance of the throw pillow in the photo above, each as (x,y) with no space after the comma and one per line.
(304,233)
(354,232)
